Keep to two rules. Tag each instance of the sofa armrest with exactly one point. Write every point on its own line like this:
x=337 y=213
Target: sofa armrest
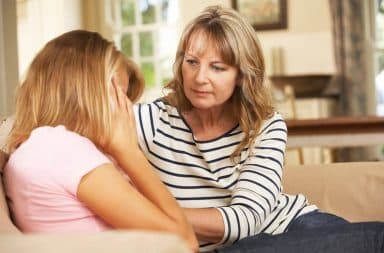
x=111 y=241
x=6 y=225
x=352 y=190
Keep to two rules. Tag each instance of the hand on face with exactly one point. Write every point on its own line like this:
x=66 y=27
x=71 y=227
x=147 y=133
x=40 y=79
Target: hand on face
x=123 y=139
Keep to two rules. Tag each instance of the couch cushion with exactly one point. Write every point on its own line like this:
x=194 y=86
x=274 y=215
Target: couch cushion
x=352 y=190
x=113 y=241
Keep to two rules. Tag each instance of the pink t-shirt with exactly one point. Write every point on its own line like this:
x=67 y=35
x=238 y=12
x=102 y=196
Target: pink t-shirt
x=41 y=180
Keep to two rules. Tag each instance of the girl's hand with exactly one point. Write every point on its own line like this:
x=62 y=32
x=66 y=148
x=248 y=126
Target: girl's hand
x=123 y=140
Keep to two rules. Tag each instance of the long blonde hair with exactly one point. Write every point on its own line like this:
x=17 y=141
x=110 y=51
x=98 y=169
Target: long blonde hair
x=236 y=41
x=68 y=83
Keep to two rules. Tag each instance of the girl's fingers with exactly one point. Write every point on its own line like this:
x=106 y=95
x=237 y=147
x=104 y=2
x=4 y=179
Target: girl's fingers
x=123 y=100
x=123 y=104
x=120 y=100
x=114 y=97
x=129 y=106
x=120 y=97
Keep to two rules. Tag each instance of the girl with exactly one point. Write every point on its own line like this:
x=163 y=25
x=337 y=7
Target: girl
x=74 y=129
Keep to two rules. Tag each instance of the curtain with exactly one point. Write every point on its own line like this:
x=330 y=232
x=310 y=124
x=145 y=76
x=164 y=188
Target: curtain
x=350 y=55
x=351 y=82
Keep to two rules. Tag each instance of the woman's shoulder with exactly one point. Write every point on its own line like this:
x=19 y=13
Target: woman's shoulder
x=274 y=117
x=158 y=106
x=275 y=120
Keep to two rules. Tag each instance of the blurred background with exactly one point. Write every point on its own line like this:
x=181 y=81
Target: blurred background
x=324 y=58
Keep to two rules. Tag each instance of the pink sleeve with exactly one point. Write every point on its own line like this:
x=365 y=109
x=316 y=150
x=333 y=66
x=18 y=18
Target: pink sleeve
x=79 y=157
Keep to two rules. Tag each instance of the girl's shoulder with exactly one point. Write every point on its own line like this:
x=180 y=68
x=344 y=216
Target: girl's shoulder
x=56 y=140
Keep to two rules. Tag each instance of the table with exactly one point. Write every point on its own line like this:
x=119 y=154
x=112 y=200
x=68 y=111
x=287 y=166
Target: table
x=335 y=132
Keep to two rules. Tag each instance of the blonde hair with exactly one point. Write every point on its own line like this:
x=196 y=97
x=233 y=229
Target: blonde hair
x=68 y=83
x=235 y=39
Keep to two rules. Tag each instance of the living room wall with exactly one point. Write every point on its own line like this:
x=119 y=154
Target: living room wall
x=8 y=56
x=306 y=44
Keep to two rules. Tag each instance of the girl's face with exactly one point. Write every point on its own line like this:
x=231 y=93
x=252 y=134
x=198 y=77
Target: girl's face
x=208 y=81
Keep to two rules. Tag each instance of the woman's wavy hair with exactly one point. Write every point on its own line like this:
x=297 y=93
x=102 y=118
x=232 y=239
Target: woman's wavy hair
x=69 y=83
x=235 y=39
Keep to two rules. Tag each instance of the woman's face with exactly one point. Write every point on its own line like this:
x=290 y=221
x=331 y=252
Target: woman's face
x=208 y=81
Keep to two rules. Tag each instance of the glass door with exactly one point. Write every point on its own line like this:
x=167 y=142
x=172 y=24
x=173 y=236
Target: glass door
x=379 y=56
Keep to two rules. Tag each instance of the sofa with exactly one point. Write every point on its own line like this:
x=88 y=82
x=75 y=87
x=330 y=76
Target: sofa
x=352 y=190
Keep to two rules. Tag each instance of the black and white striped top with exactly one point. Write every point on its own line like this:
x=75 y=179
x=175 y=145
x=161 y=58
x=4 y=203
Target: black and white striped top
x=200 y=174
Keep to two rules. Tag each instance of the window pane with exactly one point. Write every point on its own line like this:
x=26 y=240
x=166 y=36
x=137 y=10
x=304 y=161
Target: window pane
x=169 y=11
x=379 y=58
x=164 y=10
x=379 y=81
x=128 y=12
x=165 y=80
x=146 y=43
x=380 y=24
x=166 y=69
x=126 y=44
x=148 y=69
x=148 y=13
x=381 y=61
x=167 y=42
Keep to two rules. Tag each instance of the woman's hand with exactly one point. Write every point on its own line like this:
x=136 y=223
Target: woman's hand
x=123 y=139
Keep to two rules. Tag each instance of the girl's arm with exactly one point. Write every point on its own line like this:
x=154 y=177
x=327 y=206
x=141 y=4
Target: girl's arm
x=108 y=194
x=146 y=205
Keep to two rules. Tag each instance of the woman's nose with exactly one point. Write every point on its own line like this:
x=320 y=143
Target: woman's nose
x=201 y=75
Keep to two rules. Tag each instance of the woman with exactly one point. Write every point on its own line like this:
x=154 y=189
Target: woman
x=73 y=137
x=217 y=143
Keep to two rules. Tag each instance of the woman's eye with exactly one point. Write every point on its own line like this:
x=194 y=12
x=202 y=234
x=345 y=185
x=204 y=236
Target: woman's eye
x=218 y=68
x=191 y=61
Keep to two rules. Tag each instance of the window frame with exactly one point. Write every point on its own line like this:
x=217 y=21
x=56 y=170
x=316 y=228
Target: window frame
x=118 y=30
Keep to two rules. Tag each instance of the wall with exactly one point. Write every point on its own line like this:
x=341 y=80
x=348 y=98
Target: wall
x=41 y=20
x=94 y=17
x=8 y=56
x=305 y=46
x=25 y=26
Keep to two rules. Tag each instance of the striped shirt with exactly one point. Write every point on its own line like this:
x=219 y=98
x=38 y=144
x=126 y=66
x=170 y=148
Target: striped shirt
x=200 y=174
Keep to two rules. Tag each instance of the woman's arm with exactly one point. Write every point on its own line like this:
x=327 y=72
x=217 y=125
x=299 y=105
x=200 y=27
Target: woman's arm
x=253 y=197
x=207 y=223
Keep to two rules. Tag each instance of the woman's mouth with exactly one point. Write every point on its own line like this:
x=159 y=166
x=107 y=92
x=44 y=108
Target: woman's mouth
x=201 y=93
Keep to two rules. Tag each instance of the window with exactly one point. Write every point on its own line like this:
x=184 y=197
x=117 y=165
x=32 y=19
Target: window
x=379 y=56
x=146 y=31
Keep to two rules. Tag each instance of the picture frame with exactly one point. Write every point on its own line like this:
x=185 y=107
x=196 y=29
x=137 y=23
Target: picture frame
x=263 y=14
